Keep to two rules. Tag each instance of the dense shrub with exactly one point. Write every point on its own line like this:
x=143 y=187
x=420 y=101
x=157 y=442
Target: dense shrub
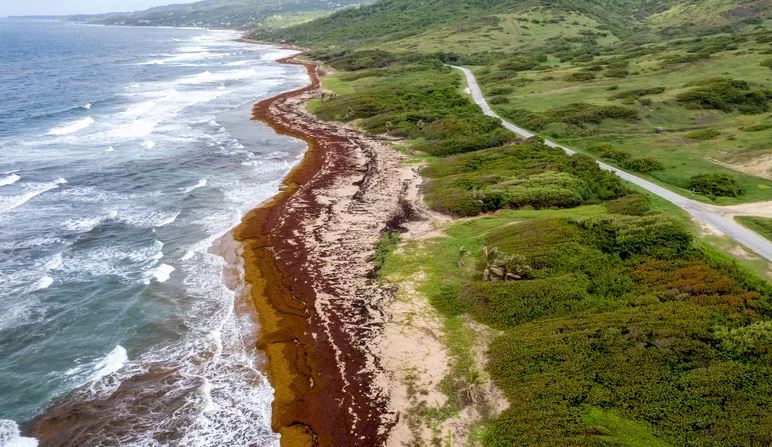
x=658 y=367
x=417 y=101
x=715 y=185
x=642 y=165
x=578 y=115
x=609 y=152
x=632 y=235
x=516 y=176
x=632 y=95
x=757 y=127
x=631 y=205
x=703 y=134
x=726 y=94
x=580 y=76
x=507 y=303
x=766 y=63
x=522 y=63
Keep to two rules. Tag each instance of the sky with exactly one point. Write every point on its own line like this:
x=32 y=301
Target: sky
x=64 y=7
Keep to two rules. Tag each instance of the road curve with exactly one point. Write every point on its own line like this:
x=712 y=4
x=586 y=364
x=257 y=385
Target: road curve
x=701 y=212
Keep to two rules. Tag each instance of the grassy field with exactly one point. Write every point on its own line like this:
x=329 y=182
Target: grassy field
x=686 y=141
x=504 y=32
x=761 y=225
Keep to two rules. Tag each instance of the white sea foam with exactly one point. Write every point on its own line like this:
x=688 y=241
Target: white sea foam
x=183 y=57
x=111 y=363
x=11 y=437
x=278 y=54
x=200 y=184
x=148 y=144
x=110 y=149
x=9 y=203
x=86 y=106
x=43 y=283
x=82 y=225
x=146 y=218
x=139 y=109
x=209 y=77
x=162 y=273
x=9 y=180
x=72 y=126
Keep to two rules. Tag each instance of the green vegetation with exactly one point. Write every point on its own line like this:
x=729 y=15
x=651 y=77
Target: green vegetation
x=605 y=295
x=726 y=94
x=386 y=244
x=514 y=177
x=642 y=165
x=266 y=15
x=703 y=134
x=416 y=100
x=715 y=185
x=761 y=225
x=616 y=325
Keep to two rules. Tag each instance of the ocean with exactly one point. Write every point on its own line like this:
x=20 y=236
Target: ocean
x=126 y=154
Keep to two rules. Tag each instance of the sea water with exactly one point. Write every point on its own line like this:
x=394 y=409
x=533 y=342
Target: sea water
x=125 y=153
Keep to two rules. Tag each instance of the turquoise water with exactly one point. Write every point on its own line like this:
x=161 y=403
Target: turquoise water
x=125 y=153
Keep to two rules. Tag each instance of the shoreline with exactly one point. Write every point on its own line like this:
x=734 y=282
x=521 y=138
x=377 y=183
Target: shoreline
x=306 y=258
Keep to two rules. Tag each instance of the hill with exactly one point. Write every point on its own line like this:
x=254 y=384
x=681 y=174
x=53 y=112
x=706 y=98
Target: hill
x=391 y=20
x=605 y=316
x=229 y=14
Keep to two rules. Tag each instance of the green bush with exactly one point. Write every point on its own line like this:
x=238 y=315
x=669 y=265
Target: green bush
x=507 y=303
x=656 y=366
x=632 y=95
x=631 y=205
x=521 y=63
x=715 y=185
x=616 y=73
x=726 y=94
x=633 y=235
x=703 y=134
x=580 y=76
x=642 y=165
x=757 y=127
x=514 y=177
x=609 y=152
x=386 y=244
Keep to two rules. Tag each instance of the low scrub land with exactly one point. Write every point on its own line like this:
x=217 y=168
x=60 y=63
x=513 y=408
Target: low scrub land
x=583 y=279
x=695 y=106
x=616 y=330
x=612 y=322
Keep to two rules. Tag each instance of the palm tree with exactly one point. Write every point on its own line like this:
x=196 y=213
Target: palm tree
x=504 y=268
x=492 y=269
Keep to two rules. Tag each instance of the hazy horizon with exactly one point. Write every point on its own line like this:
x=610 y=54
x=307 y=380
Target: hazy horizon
x=54 y=7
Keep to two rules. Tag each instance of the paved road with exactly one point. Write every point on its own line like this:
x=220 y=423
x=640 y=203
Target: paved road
x=701 y=212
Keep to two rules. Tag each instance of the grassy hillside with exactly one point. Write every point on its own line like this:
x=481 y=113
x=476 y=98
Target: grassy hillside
x=232 y=14
x=617 y=325
x=696 y=106
x=390 y=20
x=677 y=91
